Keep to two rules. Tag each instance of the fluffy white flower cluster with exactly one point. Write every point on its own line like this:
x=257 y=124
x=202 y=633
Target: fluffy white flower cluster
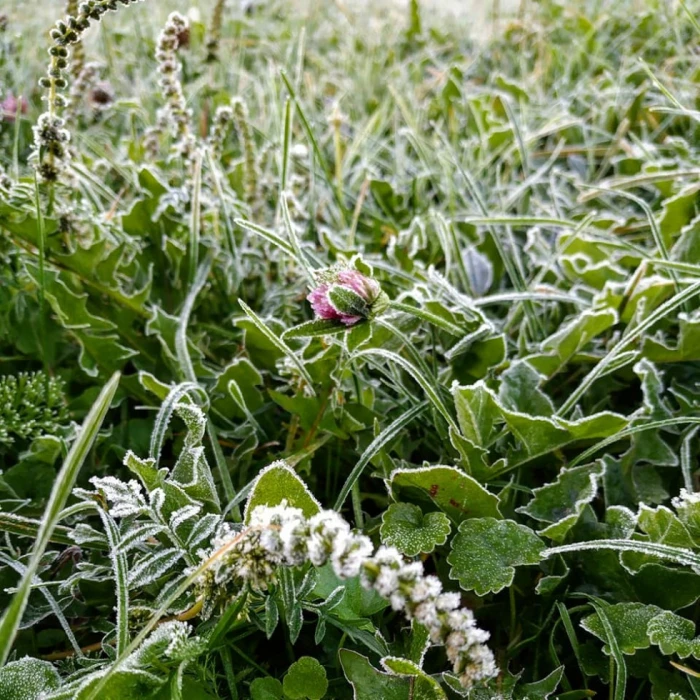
x=282 y=536
x=685 y=498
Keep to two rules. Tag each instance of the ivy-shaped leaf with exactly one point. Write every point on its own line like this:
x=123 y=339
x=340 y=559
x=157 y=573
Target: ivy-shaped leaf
x=405 y=527
x=486 y=551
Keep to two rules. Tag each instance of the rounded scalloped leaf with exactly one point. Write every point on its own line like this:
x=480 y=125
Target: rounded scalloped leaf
x=266 y=689
x=486 y=551
x=628 y=623
x=405 y=527
x=279 y=482
x=306 y=678
x=28 y=679
x=674 y=634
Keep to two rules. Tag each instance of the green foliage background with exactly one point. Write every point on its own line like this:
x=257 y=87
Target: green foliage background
x=530 y=204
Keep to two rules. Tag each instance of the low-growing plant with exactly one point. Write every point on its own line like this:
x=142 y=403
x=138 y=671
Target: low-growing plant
x=338 y=362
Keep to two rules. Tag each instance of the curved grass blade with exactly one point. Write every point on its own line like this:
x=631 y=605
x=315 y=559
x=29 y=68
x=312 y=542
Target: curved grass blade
x=381 y=441
x=430 y=389
x=633 y=430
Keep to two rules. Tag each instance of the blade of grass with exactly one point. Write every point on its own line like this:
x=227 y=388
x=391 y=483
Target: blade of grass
x=431 y=390
x=294 y=240
x=379 y=443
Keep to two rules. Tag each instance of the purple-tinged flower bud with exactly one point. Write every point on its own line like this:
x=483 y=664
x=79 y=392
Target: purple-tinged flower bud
x=346 y=296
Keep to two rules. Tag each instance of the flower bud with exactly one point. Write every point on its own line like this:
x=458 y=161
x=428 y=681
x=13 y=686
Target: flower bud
x=347 y=296
x=11 y=106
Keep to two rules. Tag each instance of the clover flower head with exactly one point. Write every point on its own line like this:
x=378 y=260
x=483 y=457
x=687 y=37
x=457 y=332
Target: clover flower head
x=12 y=106
x=345 y=295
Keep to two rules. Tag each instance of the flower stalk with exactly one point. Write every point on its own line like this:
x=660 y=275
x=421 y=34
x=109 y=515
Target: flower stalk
x=281 y=536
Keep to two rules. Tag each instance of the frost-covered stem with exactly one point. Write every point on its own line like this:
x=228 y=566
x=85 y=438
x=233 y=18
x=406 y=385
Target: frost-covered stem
x=281 y=536
x=663 y=551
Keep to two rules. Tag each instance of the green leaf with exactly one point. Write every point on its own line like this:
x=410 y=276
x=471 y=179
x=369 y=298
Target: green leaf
x=481 y=416
x=279 y=482
x=542 y=689
x=424 y=687
x=357 y=602
x=674 y=635
x=306 y=678
x=628 y=622
x=347 y=302
x=314 y=328
x=520 y=390
x=370 y=684
x=561 y=503
x=574 y=336
x=27 y=679
x=485 y=552
x=266 y=689
x=457 y=494
x=405 y=527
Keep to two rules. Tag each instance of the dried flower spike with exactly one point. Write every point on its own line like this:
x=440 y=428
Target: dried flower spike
x=347 y=296
x=169 y=68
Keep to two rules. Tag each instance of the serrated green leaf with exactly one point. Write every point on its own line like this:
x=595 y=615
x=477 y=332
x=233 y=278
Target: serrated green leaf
x=405 y=527
x=673 y=634
x=628 y=622
x=486 y=551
